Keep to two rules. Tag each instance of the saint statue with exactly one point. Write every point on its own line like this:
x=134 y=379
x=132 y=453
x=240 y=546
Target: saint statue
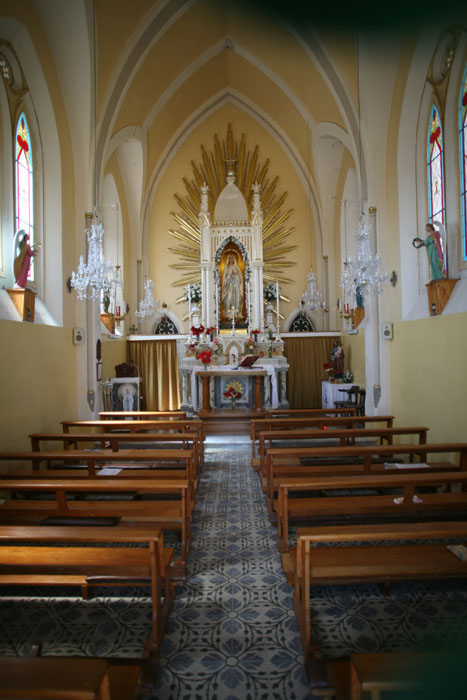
x=337 y=359
x=232 y=288
x=434 y=248
x=22 y=262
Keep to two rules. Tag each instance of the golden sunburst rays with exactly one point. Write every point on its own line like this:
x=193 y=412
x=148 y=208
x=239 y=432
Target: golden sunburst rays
x=231 y=154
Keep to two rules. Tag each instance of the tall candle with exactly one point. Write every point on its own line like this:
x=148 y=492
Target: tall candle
x=277 y=308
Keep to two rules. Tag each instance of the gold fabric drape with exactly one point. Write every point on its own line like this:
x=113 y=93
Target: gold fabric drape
x=158 y=365
x=306 y=357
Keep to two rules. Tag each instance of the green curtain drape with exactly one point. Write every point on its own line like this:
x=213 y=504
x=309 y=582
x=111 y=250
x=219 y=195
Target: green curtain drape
x=158 y=365
x=306 y=357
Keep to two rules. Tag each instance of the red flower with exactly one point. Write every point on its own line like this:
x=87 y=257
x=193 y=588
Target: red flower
x=205 y=356
x=231 y=393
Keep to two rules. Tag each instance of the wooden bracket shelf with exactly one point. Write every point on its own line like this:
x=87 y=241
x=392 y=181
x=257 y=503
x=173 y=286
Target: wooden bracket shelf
x=439 y=292
x=24 y=301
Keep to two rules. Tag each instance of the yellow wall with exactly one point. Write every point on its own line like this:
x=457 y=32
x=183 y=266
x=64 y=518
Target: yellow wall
x=161 y=220
x=354 y=355
x=113 y=353
x=38 y=381
x=428 y=376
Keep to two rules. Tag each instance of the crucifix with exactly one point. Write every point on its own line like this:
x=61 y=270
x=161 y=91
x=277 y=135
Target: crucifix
x=233 y=311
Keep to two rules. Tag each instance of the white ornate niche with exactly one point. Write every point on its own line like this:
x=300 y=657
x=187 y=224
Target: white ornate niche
x=232 y=226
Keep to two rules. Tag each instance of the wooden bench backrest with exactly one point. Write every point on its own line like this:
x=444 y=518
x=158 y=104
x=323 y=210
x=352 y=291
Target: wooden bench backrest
x=122 y=533
x=95 y=458
x=297 y=412
x=344 y=435
x=135 y=425
x=110 y=415
x=258 y=425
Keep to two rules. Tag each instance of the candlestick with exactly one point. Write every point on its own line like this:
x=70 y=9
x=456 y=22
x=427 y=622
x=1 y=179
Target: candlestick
x=189 y=304
x=277 y=308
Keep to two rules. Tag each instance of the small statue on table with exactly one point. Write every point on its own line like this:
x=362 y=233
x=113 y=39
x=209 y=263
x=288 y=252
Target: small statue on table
x=337 y=359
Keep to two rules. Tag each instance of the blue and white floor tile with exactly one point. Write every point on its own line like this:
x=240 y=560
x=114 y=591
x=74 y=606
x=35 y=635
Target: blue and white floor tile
x=233 y=633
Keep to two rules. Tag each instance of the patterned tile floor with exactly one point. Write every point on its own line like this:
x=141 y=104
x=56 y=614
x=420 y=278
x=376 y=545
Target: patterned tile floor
x=232 y=633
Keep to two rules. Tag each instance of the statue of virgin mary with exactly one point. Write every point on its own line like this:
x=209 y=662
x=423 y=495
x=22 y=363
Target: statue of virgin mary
x=232 y=288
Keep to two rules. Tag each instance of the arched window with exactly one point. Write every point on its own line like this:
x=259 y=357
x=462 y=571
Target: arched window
x=463 y=160
x=436 y=207
x=24 y=201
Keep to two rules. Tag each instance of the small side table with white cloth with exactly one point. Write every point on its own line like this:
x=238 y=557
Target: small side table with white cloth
x=330 y=393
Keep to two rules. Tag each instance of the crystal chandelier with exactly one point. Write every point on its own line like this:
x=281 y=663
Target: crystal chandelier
x=312 y=299
x=363 y=276
x=93 y=278
x=147 y=306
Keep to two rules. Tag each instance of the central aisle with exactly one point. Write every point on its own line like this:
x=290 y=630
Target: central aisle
x=232 y=633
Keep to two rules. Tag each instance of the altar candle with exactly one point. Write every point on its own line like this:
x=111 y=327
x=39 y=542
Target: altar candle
x=189 y=303
x=277 y=307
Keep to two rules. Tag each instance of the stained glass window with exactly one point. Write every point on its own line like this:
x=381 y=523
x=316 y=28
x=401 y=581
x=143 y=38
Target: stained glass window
x=463 y=160
x=24 y=184
x=435 y=169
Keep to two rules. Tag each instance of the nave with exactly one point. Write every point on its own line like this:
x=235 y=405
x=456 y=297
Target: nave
x=232 y=632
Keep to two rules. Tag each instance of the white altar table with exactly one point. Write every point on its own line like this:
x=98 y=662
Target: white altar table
x=330 y=393
x=271 y=391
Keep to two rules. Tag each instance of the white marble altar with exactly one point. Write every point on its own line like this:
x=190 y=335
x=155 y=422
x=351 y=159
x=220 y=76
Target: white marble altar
x=274 y=386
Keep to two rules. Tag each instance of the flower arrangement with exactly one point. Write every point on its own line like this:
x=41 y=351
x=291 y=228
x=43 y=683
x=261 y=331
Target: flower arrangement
x=193 y=293
x=233 y=393
x=204 y=356
x=210 y=331
x=197 y=331
x=329 y=369
x=270 y=292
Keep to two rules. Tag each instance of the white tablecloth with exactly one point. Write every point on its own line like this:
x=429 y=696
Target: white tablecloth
x=330 y=393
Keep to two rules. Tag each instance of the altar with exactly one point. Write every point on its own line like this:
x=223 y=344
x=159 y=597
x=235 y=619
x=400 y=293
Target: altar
x=262 y=387
x=231 y=311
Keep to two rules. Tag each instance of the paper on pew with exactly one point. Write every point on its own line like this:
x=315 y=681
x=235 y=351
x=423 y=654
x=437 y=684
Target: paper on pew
x=404 y=465
x=109 y=471
x=459 y=550
x=415 y=499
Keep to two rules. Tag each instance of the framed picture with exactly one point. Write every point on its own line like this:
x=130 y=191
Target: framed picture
x=99 y=371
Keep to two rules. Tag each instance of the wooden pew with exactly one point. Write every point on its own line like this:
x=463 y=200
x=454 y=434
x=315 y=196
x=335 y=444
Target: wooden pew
x=116 y=441
x=140 y=426
x=412 y=503
x=348 y=436
x=173 y=514
x=95 y=460
x=365 y=459
x=382 y=563
x=310 y=412
x=414 y=674
x=152 y=415
x=22 y=562
x=320 y=421
x=76 y=678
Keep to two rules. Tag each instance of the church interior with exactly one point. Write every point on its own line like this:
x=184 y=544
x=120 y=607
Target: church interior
x=232 y=216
